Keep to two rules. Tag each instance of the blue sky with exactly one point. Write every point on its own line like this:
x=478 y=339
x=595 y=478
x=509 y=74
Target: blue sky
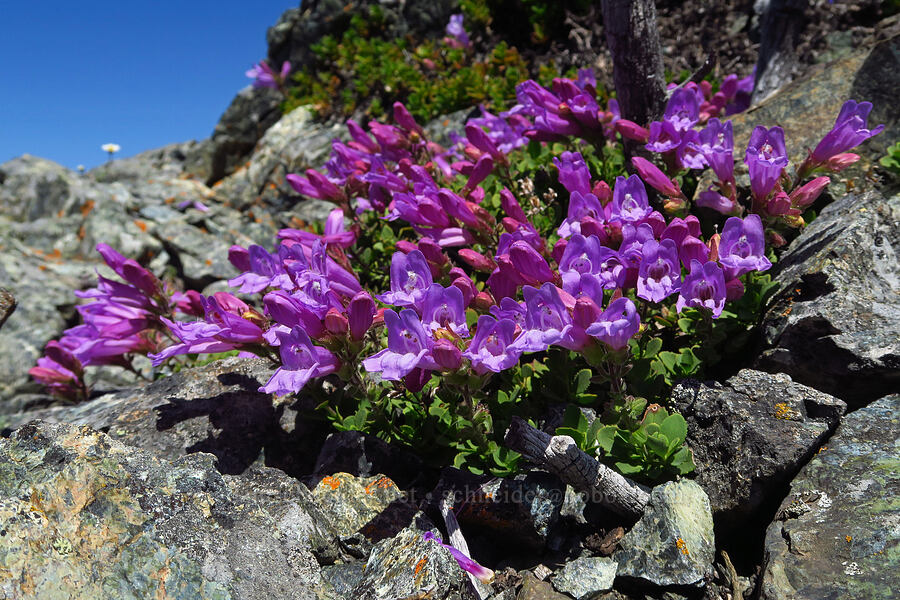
x=76 y=75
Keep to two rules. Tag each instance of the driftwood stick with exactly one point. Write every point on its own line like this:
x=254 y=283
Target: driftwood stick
x=457 y=540
x=780 y=26
x=561 y=456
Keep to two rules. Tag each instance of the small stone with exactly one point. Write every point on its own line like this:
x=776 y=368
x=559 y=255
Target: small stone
x=535 y=589
x=583 y=578
x=673 y=543
x=542 y=572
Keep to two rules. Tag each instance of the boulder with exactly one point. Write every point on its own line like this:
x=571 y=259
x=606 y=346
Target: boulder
x=584 y=578
x=7 y=305
x=673 y=543
x=836 y=534
x=33 y=187
x=188 y=160
x=365 y=455
x=751 y=435
x=85 y=516
x=835 y=323
x=216 y=409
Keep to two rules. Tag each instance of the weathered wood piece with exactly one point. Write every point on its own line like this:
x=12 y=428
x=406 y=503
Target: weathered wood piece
x=561 y=456
x=780 y=25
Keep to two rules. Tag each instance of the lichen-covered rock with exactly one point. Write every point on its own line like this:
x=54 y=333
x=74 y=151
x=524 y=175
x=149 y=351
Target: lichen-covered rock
x=513 y=513
x=216 y=408
x=189 y=160
x=836 y=535
x=292 y=145
x=751 y=435
x=7 y=305
x=584 y=578
x=673 y=543
x=835 y=324
x=32 y=187
x=366 y=510
x=408 y=566
x=87 y=517
x=535 y=589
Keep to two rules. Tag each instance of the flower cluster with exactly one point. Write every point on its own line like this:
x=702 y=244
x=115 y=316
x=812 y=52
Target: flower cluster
x=264 y=76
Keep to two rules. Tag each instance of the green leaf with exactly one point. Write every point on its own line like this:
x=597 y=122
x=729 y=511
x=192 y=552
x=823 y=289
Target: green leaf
x=669 y=359
x=653 y=347
x=582 y=381
x=606 y=436
x=575 y=419
x=578 y=436
x=655 y=417
x=674 y=427
x=657 y=445
x=628 y=469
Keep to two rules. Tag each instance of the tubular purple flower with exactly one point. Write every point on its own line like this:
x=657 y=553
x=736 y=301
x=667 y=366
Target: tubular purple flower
x=580 y=207
x=682 y=109
x=573 y=172
x=687 y=154
x=766 y=158
x=659 y=275
x=443 y=308
x=265 y=271
x=716 y=201
x=491 y=346
x=742 y=246
x=361 y=313
x=130 y=271
x=446 y=355
x=456 y=30
x=483 y=167
x=849 y=131
x=290 y=312
x=804 y=196
x=663 y=137
x=586 y=256
x=546 y=320
x=481 y=140
x=301 y=360
x=692 y=248
x=403 y=118
x=617 y=324
x=630 y=202
x=703 y=288
x=483 y=574
x=511 y=206
x=409 y=347
x=632 y=131
x=716 y=142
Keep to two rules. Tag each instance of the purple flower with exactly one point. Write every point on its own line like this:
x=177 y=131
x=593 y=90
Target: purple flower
x=704 y=287
x=716 y=142
x=130 y=271
x=656 y=178
x=301 y=360
x=766 y=158
x=510 y=309
x=660 y=272
x=483 y=574
x=617 y=324
x=682 y=109
x=443 y=309
x=409 y=347
x=361 y=312
x=546 y=320
x=687 y=154
x=742 y=246
x=290 y=311
x=573 y=172
x=410 y=278
x=491 y=348
x=531 y=266
x=456 y=30
x=335 y=233
x=663 y=137
x=716 y=201
x=630 y=202
x=586 y=256
x=264 y=76
x=265 y=271
x=581 y=206
x=849 y=131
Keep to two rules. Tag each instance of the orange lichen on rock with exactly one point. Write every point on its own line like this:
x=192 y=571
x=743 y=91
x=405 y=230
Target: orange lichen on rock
x=332 y=482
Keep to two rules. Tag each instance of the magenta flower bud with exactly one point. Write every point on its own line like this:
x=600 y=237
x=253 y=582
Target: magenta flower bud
x=56 y=352
x=809 y=193
x=734 y=289
x=362 y=312
x=691 y=248
x=602 y=192
x=716 y=201
x=559 y=248
x=190 y=303
x=531 y=265
x=335 y=322
x=467 y=287
x=483 y=167
x=632 y=131
x=432 y=251
x=511 y=206
x=141 y=278
x=586 y=312
x=482 y=141
x=447 y=355
x=239 y=257
x=483 y=301
x=839 y=162
x=388 y=136
x=654 y=177
x=405 y=246
x=477 y=261
x=403 y=118
x=779 y=204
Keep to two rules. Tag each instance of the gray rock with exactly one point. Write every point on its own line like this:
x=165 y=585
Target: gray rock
x=188 y=160
x=673 y=543
x=87 y=517
x=250 y=114
x=365 y=455
x=585 y=578
x=32 y=187
x=215 y=409
x=407 y=566
x=835 y=324
x=292 y=145
x=366 y=510
x=512 y=513
x=7 y=305
x=751 y=435
x=535 y=589
x=836 y=534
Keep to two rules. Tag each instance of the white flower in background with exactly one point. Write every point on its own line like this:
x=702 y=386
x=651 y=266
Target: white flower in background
x=111 y=149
